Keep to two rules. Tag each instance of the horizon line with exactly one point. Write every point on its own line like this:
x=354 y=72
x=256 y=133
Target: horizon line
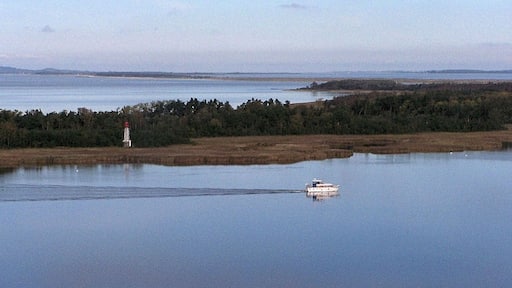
x=51 y=70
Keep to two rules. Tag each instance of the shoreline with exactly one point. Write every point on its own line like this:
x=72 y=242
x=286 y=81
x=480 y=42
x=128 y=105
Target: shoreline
x=252 y=150
x=277 y=76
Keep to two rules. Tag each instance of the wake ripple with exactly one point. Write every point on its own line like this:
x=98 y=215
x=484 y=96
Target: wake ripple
x=12 y=193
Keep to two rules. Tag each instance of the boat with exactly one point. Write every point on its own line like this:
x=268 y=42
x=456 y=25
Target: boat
x=320 y=189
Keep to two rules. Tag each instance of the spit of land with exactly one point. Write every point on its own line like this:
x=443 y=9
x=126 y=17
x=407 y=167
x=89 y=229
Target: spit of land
x=260 y=149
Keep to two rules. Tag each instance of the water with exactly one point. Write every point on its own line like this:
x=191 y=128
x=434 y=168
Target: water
x=56 y=93
x=51 y=93
x=414 y=220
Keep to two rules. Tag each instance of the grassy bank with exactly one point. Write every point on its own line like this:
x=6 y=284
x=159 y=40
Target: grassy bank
x=260 y=149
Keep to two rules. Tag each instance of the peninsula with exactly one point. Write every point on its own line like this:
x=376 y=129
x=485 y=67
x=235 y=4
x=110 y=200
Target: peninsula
x=370 y=116
x=260 y=149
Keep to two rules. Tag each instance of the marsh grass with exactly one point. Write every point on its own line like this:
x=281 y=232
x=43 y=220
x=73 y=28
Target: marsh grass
x=260 y=149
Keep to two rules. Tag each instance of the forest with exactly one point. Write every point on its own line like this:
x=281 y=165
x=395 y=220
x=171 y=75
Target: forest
x=395 y=85
x=380 y=107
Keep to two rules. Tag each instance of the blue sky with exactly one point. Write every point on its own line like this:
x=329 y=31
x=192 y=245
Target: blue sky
x=256 y=36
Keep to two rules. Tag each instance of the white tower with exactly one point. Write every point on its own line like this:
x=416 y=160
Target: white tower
x=126 y=139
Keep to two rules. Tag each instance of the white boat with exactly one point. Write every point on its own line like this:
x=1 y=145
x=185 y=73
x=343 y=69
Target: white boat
x=318 y=188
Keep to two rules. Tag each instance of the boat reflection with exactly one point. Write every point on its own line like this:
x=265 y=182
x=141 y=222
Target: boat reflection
x=320 y=196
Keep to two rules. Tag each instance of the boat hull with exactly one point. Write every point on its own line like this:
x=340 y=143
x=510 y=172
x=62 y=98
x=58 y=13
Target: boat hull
x=321 y=192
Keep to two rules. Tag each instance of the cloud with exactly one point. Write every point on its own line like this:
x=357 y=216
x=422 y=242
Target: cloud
x=294 y=6
x=47 y=29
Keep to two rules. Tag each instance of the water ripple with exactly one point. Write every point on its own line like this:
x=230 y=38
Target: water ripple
x=15 y=192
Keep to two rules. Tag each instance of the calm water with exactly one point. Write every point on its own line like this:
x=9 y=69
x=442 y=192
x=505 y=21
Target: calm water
x=419 y=220
x=53 y=93
x=58 y=93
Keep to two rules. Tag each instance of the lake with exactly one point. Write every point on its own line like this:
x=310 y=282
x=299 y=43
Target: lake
x=56 y=93
x=412 y=220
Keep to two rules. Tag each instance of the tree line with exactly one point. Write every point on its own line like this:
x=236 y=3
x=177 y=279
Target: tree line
x=396 y=85
x=162 y=123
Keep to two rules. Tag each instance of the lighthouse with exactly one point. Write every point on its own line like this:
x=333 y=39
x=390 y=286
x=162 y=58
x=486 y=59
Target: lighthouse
x=126 y=139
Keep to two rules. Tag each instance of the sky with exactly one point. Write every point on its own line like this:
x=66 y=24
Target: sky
x=256 y=36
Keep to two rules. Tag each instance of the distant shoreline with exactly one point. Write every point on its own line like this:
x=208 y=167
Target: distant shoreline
x=266 y=77
x=261 y=150
x=261 y=76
